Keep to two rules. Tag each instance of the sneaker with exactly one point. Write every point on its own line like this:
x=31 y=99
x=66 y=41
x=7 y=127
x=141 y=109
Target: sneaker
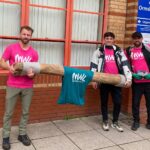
x=135 y=126
x=148 y=125
x=117 y=126
x=105 y=126
x=6 y=143
x=24 y=139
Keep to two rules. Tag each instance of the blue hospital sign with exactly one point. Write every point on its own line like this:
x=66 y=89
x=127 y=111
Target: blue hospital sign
x=143 y=18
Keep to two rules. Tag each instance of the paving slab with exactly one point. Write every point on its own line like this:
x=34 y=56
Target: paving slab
x=13 y=134
x=72 y=125
x=54 y=143
x=93 y=121
x=90 y=140
x=111 y=148
x=143 y=132
x=140 y=145
x=120 y=137
x=41 y=130
x=20 y=146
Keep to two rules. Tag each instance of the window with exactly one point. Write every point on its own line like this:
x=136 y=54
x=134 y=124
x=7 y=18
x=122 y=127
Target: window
x=66 y=32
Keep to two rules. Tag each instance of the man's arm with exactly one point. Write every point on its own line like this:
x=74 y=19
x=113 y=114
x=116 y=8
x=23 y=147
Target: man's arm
x=3 y=64
x=94 y=61
x=126 y=69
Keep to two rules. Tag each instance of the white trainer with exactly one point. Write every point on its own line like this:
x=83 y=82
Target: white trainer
x=117 y=126
x=105 y=126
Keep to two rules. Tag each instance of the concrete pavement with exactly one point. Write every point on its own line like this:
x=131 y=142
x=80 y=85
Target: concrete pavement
x=82 y=134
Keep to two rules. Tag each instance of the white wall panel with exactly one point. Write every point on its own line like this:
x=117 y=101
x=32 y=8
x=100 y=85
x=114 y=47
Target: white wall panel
x=86 y=27
x=4 y=43
x=49 y=52
x=47 y=23
x=54 y=3
x=9 y=19
x=88 y=5
x=81 y=54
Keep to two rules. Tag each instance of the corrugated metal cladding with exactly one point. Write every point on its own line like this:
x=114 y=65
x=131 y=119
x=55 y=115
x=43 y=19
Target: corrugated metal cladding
x=49 y=52
x=9 y=22
x=85 y=27
x=49 y=23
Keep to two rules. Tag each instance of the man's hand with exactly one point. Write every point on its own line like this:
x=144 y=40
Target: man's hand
x=127 y=84
x=30 y=73
x=11 y=69
x=94 y=85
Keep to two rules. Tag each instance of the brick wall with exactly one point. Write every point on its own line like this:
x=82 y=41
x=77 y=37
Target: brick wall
x=44 y=105
x=130 y=20
x=117 y=19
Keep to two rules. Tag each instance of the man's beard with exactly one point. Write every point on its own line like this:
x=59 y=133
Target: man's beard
x=137 y=44
x=25 y=41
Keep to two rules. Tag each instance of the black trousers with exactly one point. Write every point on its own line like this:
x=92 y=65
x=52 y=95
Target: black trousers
x=139 y=89
x=105 y=89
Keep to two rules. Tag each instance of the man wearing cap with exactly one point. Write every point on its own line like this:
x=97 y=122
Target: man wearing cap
x=139 y=58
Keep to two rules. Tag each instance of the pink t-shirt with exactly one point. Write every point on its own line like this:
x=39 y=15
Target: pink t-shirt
x=14 y=53
x=138 y=63
x=110 y=65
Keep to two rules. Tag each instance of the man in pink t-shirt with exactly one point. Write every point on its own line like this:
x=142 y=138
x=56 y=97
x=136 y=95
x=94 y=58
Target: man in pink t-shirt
x=109 y=58
x=18 y=85
x=139 y=57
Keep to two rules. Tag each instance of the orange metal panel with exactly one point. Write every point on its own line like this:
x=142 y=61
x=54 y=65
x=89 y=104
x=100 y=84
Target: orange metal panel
x=10 y=2
x=27 y=12
x=105 y=18
x=23 y=3
x=9 y=37
x=70 y=32
x=48 y=7
x=86 y=41
x=67 y=34
x=33 y=39
x=89 y=12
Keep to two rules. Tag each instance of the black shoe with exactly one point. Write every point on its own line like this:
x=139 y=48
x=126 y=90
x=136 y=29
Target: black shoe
x=148 y=125
x=135 y=126
x=6 y=143
x=24 y=139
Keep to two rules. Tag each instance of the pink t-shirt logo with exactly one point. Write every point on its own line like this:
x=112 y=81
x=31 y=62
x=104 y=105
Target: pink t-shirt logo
x=109 y=58
x=110 y=63
x=136 y=55
x=19 y=58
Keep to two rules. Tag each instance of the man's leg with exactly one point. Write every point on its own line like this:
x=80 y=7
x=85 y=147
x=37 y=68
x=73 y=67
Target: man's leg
x=116 y=97
x=104 y=93
x=147 y=98
x=26 y=96
x=11 y=99
x=137 y=91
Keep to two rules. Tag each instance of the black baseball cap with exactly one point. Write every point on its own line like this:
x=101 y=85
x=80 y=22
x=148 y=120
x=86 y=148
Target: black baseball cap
x=136 y=35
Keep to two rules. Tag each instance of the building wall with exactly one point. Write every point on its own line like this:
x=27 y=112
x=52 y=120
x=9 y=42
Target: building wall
x=44 y=107
x=117 y=19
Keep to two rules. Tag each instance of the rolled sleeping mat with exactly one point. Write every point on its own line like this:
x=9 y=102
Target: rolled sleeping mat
x=22 y=68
